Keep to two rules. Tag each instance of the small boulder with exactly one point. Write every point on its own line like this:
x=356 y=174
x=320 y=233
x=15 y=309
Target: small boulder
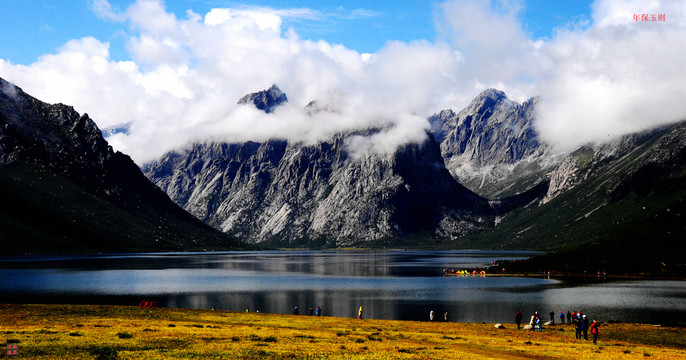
x=499 y=326
x=547 y=323
x=527 y=327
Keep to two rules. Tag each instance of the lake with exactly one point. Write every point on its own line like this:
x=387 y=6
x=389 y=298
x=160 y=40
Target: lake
x=402 y=285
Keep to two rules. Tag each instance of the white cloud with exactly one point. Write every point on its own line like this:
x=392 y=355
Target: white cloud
x=616 y=77
x=186 y=74
x=103 y=10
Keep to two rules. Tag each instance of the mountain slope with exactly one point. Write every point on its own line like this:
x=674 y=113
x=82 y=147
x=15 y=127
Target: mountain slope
x=64 y=190
x=491 y=146
x=316 y=195
x=614 y=207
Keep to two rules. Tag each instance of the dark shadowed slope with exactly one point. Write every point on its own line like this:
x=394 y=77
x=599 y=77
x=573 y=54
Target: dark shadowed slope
x=64 y=190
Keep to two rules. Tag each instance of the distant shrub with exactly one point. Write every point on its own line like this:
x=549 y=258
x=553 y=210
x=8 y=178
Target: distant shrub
x=104 y=353
x=371 y=337
x=124 y=335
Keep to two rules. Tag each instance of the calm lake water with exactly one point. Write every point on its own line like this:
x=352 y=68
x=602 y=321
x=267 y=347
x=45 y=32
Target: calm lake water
x=404 y=285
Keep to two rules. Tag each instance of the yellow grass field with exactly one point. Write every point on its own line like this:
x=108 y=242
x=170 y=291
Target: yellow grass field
x=121 y=332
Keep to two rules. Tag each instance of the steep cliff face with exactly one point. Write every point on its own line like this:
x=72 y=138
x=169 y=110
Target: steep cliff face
x=491 y=146
x=295 y=194
x=65 y=190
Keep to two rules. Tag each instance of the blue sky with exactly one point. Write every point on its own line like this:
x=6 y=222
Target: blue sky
x=174 y=75
x=29 y=29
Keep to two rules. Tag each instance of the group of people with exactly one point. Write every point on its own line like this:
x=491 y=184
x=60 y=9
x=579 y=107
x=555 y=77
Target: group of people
x=580 y=321
x=311 y=311
x=432 y=315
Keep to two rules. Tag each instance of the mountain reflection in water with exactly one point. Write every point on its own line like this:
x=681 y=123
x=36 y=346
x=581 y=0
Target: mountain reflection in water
x=404 y=285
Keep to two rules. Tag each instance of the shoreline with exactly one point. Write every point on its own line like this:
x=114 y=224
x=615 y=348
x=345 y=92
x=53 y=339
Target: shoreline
x=575 y=276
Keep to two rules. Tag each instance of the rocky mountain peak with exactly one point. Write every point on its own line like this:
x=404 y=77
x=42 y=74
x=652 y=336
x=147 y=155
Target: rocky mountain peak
x=53 y=135
x=493 y=94
x=265 y=100
x=488 y=141
x=488 y=102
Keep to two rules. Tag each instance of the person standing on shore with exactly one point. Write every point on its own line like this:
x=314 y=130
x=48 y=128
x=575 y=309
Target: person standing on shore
x=431 y=315
x=552 y=317
x=359 y=313
x=577 y=324
x=539 y=324
x=562 y=317
x=594 y=331
x=584 y=326
x=569 y=317
x=518 y=319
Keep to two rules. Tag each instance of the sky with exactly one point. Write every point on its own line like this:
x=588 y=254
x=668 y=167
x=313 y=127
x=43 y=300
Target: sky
x=174 y=70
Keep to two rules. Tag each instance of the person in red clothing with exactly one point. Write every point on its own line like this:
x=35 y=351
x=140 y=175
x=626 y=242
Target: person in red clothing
x=594 y=331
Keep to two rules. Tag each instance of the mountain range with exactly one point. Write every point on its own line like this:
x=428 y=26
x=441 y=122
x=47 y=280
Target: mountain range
x=482 y=178
x=64 y=189
x=289 y=194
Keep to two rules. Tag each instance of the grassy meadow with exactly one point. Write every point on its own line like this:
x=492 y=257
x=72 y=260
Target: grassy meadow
x=121 y=332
